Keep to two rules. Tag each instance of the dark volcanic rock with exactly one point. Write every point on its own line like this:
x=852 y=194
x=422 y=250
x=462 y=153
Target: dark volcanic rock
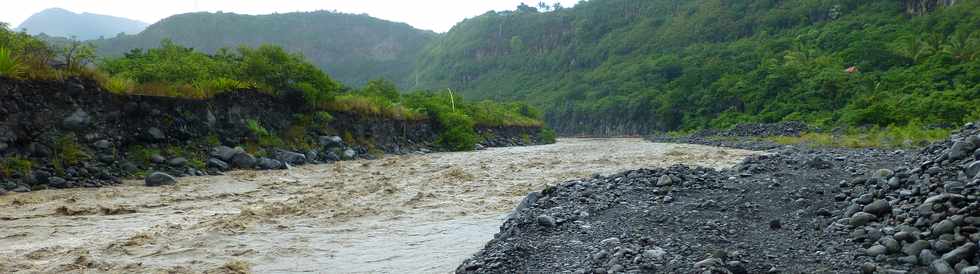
x=290 y=157
x=749 y=221
x=160 y=179
x=78 y=120
x=217 y=164
x=874 y=211
x=243 y=160
x=735 y=137
x=267 y=164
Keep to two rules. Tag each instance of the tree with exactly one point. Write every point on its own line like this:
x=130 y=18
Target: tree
x=915 y=48
x=961 y=47
x=557 y=6
x=516 y=45
x=526 y=9
x=77 y=55
x=382 y=88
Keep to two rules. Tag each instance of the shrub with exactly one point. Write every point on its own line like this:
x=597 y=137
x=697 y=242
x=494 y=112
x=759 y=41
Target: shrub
x=265 y=138
x=16 y=165
x=212 y=87
x=119 y=84
x=457 y=132
x=67 y=152
x=143 y=154
x=256 y=128
x=10 y=65
x=322 y=117
x=548 y=136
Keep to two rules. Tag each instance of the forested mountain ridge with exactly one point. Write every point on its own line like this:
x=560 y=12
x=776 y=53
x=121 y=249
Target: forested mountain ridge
x=630 y=66
x=84 y=26
x=351 y=48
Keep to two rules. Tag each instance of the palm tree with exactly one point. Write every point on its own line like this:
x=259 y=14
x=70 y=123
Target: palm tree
x=961 y=47
x=915 y=48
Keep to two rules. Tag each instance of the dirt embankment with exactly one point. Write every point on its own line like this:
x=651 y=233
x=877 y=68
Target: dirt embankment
x=399 y=214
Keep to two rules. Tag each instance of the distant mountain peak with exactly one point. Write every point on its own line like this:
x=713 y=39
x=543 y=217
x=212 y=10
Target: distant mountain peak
x=65 y=23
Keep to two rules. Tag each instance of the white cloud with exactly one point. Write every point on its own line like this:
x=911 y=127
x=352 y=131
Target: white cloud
x=437 y=15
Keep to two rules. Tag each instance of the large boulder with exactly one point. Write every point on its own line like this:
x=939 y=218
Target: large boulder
x=331 y=141
x=217 y=164
x=102 y=144
x=225 y=153
x=77 y=120
x=268 y=164
x=177 y=162
x=160 y=179
x=290 y=157
x=331 y=156
x=960 y=150
x=972 y=169
x=243 y=161
x=878 y=207
x=312 y=156
x=349 y=154
x=155 y=134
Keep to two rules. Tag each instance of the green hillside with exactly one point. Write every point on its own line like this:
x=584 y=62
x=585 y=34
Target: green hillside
x=634 y=66
x=351 y=48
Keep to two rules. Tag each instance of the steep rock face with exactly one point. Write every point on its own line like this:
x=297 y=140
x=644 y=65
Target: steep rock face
x=919 y=7
x=82 y=136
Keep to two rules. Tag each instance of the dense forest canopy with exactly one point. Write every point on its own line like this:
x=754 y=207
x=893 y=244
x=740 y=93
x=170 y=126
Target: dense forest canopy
x=635 y=66
x=351 y=48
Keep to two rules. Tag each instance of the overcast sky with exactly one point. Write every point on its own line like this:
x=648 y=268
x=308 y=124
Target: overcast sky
x=437 y=15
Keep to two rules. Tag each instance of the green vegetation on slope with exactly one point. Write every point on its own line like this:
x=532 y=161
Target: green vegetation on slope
x=351 y=48
x=629 y=66
x=176 y=71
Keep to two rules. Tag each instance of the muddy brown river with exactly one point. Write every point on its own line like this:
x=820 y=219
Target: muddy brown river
x=400 y=214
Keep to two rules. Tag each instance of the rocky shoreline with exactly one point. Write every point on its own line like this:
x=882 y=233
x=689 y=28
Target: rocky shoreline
x=62 y=134
x=795 y=210
x=742 y=136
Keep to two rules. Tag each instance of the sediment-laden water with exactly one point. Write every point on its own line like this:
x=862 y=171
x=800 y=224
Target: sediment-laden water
x=400 y=214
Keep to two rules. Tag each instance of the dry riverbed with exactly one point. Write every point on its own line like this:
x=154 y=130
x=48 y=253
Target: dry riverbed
x=400 y=214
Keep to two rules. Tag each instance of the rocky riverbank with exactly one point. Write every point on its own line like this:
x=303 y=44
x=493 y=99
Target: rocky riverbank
x=742 y=136
x=62 y=134
x=796 y=210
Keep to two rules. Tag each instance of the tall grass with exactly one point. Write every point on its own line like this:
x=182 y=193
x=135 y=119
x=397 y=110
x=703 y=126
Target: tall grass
x=372 y=106
x=908 y=136
x=10 y=65
x=494 y=114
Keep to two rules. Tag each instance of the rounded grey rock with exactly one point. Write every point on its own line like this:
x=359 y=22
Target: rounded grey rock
x=177 y=162
x=243 y=160
x=944 y=227
x=861 y=218
x=546 y=221
x=160 y=179
x=878 y=207
x=876 y=250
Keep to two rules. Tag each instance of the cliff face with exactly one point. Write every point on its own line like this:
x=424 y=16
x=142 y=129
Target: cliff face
x=79 y=135
x=919 y=7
